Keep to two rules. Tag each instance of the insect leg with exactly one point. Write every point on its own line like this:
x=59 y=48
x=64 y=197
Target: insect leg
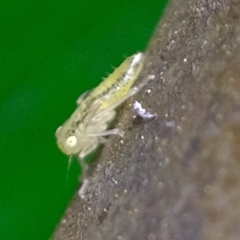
x=88 y=148
x=114 y=131
x=132 y=92
x=104 y=116
x=82 y=190
x=85 y=151
x=137 y=88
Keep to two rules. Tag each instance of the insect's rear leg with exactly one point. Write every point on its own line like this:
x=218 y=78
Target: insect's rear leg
x=132 y=92
x=137 y=88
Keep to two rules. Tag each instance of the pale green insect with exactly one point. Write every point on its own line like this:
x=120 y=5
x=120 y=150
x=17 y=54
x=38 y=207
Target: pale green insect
x=87 y=126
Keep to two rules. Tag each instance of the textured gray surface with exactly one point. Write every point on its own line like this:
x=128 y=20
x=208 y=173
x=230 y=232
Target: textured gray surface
x=176 y=176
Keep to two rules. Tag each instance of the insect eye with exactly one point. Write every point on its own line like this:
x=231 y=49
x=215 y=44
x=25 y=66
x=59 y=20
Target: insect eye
x=71 y=141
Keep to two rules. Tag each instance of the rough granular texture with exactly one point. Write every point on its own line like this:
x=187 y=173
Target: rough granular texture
x=176 y=176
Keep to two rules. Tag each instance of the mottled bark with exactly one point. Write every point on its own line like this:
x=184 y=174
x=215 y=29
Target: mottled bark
x=176 y=176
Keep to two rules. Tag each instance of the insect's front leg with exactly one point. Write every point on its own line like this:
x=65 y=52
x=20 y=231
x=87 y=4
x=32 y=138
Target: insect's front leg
x=89 y=147
x=115 y=131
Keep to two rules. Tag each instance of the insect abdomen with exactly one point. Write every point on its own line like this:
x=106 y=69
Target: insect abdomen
x=118 y=84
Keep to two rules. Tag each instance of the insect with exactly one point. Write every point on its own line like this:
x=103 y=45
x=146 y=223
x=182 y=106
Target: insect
x=87 y=127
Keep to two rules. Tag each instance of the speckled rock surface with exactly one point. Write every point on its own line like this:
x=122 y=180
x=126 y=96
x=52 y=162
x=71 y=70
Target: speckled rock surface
x=176 y=176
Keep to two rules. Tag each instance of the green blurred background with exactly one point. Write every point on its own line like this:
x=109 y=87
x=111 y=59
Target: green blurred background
x=50 y=53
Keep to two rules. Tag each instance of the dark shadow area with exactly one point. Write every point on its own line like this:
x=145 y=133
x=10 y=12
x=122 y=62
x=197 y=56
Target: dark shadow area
x=176 y=176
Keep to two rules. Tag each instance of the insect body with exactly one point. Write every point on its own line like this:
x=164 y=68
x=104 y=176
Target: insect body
x=87 y=126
